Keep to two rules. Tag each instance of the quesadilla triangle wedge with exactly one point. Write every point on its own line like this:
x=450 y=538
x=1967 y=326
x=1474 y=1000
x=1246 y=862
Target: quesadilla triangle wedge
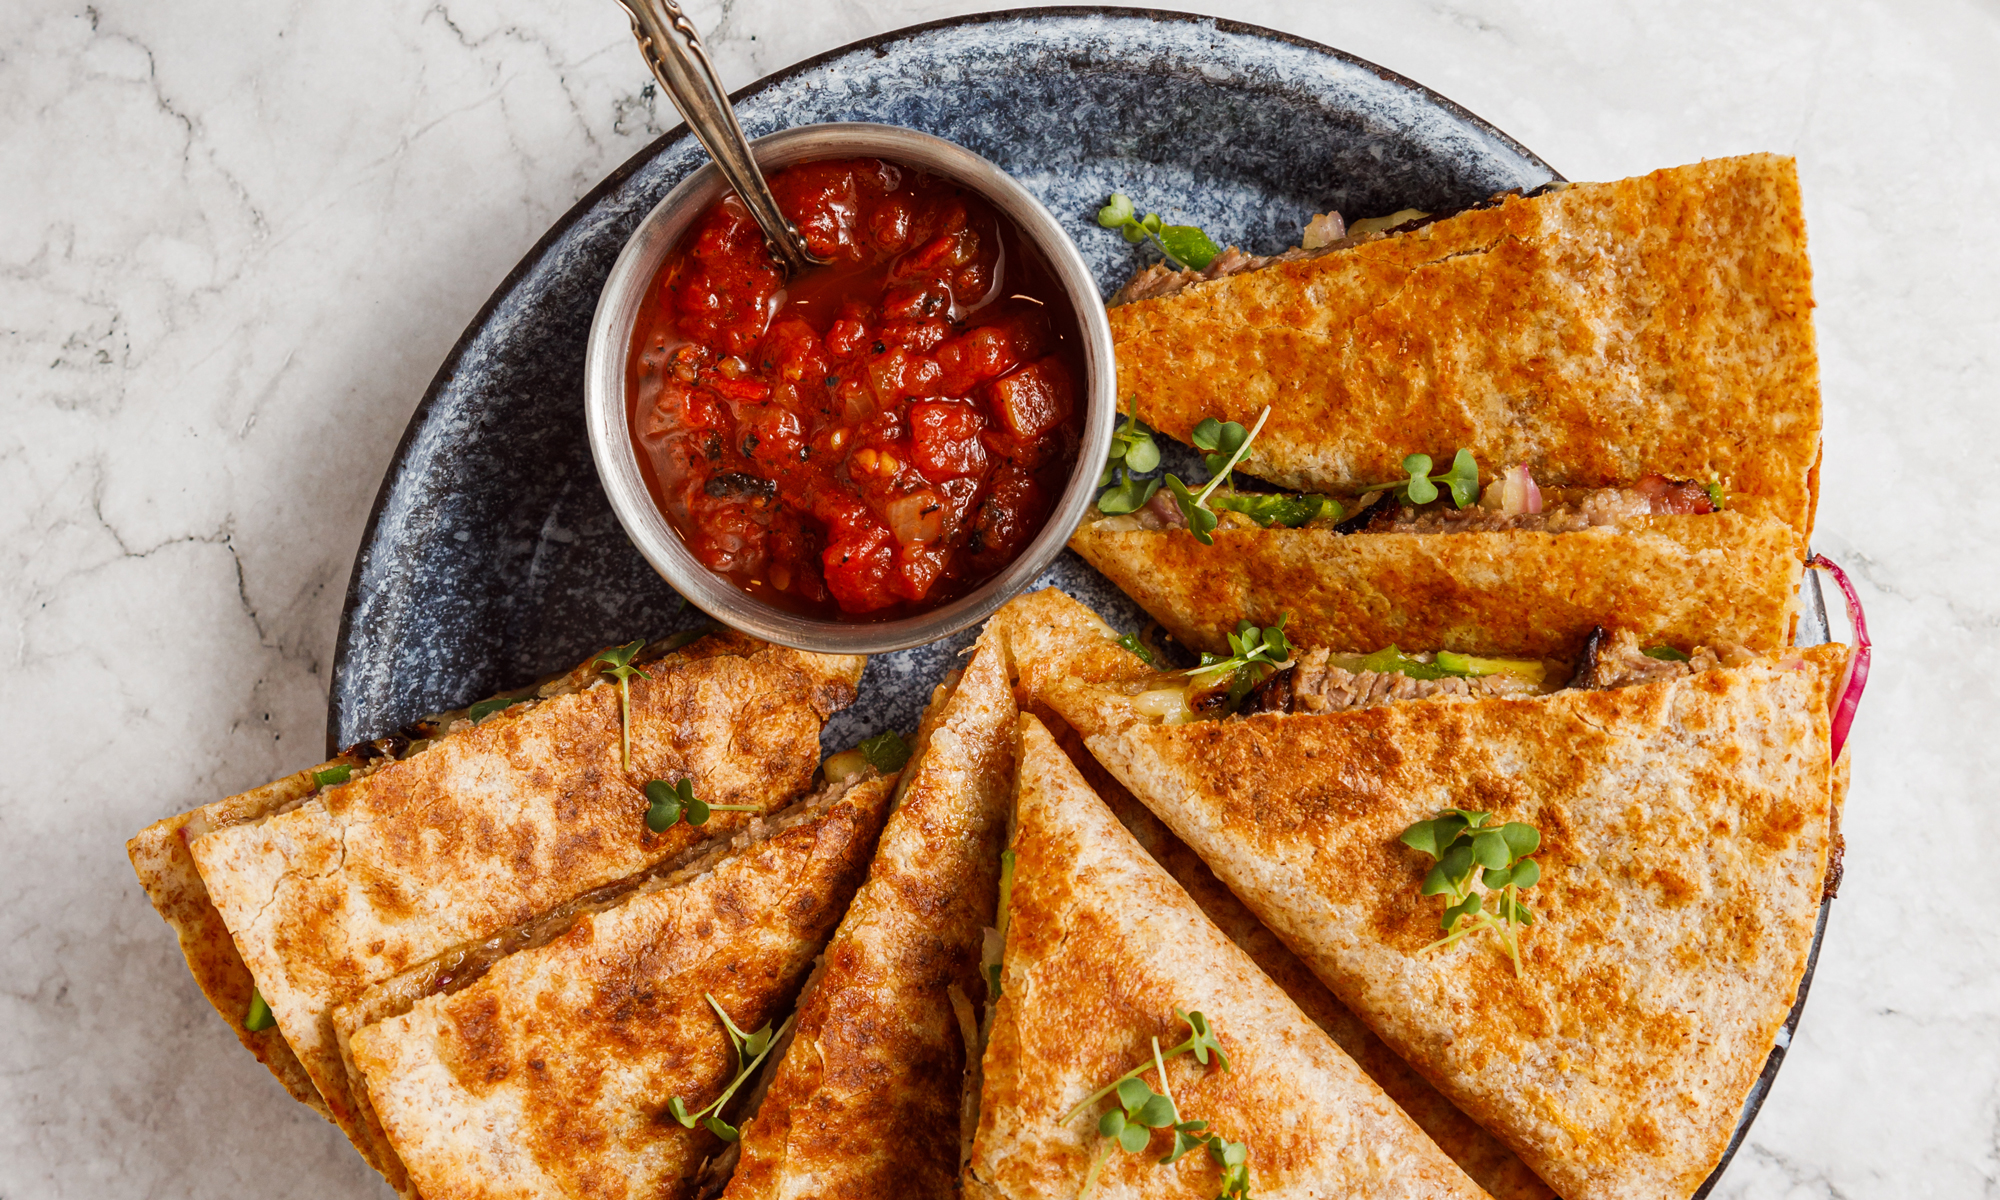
x=1684 y=828
x=554 y=1071
x=496 y=820
x=1103 y=950
x=866 y=1101
x=1598 y=333
x=1485 y=1159
x=1729 y=576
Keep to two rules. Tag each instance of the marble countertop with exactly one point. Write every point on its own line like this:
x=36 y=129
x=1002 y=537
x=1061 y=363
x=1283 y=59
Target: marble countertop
x=239 y=238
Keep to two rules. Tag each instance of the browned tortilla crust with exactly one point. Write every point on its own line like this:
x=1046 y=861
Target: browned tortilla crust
x=1102 y=946
x=866 y=1102
x=1484 y=1158
x=552 y=1075
x=1686 y=580
x=1685 y=831
x=1658 y=324
x=166 y=869
x=494 y=824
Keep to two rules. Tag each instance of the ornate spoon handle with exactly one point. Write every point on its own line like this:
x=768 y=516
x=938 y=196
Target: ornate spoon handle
x=672 y=48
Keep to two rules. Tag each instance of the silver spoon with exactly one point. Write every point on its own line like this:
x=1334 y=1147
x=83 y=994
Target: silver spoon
x=672 y=48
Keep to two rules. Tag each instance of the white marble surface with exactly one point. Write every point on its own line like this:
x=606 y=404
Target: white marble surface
x=237 y=238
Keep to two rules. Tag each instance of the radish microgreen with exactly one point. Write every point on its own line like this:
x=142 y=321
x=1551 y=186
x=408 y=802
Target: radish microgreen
x=619 y=666
x=1226 y=444
x=1131 y=642
x=1133 y=453
x=1141 y=1110
x=1183 y=244
x=671 y=802
x=1461 y=479
x=1254 y=654
x=750 y=1050
x=1469 y=851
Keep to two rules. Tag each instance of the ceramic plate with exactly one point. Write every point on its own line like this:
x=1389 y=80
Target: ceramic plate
x=492 y=556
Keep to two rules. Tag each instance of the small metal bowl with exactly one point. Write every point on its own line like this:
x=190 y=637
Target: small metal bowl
x=618 y=461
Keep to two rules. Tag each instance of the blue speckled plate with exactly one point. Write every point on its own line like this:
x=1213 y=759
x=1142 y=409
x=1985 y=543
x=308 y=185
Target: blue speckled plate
x=492 y=556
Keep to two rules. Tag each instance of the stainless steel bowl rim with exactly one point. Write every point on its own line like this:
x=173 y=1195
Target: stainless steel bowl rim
x=611 y=444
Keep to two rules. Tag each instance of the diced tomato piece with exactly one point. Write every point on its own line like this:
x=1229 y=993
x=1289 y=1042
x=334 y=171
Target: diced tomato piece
x=1006 y=519
x=918 y=566
x=858 y=570
x=974 y=357
x=945 y=438
x=1674 y=497
x=1030 y=401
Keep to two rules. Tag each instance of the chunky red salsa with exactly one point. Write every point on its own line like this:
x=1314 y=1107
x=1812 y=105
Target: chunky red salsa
x=881 y=435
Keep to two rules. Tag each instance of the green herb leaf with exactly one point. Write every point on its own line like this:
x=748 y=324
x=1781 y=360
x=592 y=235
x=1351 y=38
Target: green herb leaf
x=1156 y=1113
x=1462 y=479
x=486 y=708
x=1221 y=438
x=1128 y=495
x=1495 y=878
x=1419 y=489
x=258 y=1017
x=1457 y=862
x=1133 y=1094
x=1112 y=1123
x=1489 y=849
x=332 y=775
x=1134 y=1138
x=1437 y=883
x=1527 y=874
x=680 y=1112
x=1200 y=520
x=618 y=664
x=886 y=751
x=1422 y=837
x=721 y=1128
x=1143 y=453
x=1188 y=244
x=1665 y=654
x=1522 y=838
x=1131 y=642
x=1201 y=1039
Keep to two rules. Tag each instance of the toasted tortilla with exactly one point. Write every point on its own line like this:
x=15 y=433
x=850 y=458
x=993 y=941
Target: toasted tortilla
x=1688 y=580
x=1597 y=334
x=551 y=1074
x=1685 y=831
x=498 y=821
x=1483 y=1157
x=1102 y=946
x=866 y=1101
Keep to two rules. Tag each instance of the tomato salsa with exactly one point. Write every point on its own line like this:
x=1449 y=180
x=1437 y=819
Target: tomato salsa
x=884 y=433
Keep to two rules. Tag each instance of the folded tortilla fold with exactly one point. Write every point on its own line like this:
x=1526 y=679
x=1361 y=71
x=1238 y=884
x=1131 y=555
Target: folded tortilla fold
x=1688 y=580
x=1685 y=830
x=866 y=1101
x=498 y=821
x=551 y=1074
x=1598 y=334
x=1102 y=946
x=1484 y=1158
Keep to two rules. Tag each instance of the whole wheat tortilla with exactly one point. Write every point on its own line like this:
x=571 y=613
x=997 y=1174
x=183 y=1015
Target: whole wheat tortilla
x=1598 y=334
x=866 y=1101
x=497 y=822
x=1685 y=829
x=1102 y=946
x=1687 y=580
x=552 y=1074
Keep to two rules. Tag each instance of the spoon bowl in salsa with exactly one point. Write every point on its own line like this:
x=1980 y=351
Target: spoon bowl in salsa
x=876 y=452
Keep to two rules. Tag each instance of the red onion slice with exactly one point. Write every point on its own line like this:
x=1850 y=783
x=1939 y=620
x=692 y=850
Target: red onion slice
x=1856 y=678
x=1518 y=493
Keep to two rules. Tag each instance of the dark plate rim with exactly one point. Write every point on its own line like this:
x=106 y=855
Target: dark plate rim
x=1754 y=1102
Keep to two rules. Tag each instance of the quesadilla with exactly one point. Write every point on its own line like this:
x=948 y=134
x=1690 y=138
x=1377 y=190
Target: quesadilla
x=498 y=819
x=1684 y=812
x=1680 y=578
x=866 y=1101
x=1108 y=967
x=595 y=1055
x=1484 y=1158
x=1598 y=334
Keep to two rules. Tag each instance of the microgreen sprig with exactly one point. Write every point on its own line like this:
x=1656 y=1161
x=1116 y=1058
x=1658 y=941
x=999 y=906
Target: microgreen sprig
x=1462 y=478
x=1468 y=851
x=619 y=666
x=1131 y=642
x=1141 y=1110
x=1133 y=453
x=1665 y=653
x=1226 y=443
x=1184 y=244
x=486 y=708
x=750 y=1050
x=671 y=802
x=1254 y=654
x=332 y=775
